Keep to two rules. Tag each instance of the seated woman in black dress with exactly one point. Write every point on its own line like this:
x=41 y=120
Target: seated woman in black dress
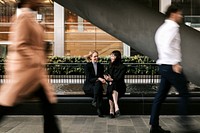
x=93 y=85
x=115 y=79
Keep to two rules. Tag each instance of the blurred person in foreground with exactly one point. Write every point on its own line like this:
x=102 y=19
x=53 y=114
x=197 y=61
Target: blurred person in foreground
x=167 y=39
x=25 y=66
x=93 y=85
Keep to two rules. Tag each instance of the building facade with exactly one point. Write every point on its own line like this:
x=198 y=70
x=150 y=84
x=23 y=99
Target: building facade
x=71 y=35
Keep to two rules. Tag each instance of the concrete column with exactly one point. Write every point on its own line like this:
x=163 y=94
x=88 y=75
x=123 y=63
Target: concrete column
x=59 y=30
x=126 y=50
x=163 y=4
x=80 y=24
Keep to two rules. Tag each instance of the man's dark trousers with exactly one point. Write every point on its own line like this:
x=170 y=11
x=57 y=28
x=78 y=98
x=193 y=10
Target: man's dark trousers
x=169 y=78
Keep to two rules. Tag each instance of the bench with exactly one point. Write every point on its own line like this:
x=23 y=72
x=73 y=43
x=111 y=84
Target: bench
x=129 y=105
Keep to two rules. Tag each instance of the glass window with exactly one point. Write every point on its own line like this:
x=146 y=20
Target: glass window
x=191 y=12
x=45 y=14
x=81 y=37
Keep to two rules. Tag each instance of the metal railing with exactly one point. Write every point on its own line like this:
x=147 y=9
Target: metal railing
x=73 y=73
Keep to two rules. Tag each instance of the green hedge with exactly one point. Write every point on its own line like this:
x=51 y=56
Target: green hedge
x=132 y=59
x=132 y=69
x=57 y=68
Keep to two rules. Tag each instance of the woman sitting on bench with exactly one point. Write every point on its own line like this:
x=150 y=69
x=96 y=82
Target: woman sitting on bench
x=115 y=79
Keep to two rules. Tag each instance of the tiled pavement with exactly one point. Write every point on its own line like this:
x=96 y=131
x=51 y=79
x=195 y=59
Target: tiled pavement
x=91 y=124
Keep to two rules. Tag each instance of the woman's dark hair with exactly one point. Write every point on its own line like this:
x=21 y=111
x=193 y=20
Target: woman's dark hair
x=173 y=8
x=118 y=57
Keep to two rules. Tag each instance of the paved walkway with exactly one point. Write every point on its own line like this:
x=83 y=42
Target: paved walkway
x=91 y=124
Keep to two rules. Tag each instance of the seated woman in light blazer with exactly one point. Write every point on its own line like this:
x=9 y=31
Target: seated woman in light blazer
x=93 y=85
x=116 y=85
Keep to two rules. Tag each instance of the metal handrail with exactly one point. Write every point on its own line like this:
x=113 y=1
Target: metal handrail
x=73 y=73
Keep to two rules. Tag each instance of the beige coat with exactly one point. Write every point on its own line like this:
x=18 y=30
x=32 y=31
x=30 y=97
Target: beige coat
x=25 y=61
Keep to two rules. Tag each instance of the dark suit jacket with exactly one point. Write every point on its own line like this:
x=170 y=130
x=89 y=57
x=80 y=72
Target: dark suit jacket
x=117 y=73
x=91 y=78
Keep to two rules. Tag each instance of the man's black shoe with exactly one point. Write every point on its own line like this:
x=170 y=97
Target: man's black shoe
x=158 y=130
x=99 y=113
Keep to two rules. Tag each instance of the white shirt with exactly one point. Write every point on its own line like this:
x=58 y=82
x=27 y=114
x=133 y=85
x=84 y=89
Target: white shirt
x=95 y=67
x=167 y=39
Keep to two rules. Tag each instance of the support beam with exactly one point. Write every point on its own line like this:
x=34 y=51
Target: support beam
x=80 y=24
x=163 y=4
x=59 y=30
x=126 y=50
x=135 y=25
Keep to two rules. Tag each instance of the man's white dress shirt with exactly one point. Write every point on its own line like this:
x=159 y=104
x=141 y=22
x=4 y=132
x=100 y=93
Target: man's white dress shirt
x=167 y=39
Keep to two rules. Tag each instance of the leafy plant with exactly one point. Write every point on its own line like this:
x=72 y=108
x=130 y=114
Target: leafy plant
x=56 y=65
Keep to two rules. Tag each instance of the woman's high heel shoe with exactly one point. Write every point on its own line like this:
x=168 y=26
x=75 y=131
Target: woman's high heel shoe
x=117 y=113
x=112 y=115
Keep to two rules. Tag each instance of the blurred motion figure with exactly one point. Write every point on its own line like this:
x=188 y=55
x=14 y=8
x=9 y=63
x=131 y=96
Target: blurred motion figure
x=25 y=66
x=168 y=42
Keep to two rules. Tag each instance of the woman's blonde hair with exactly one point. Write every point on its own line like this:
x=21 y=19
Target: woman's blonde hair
x=89 y=55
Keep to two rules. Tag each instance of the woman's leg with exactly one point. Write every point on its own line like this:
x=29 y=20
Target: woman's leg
x=115 y=99
x=111 y=107
x=112 y=111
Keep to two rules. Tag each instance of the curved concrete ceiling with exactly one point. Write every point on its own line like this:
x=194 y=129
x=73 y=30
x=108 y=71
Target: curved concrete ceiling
x=135 y=25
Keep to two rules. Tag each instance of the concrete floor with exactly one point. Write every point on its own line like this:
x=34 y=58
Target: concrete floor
x=92 y=124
